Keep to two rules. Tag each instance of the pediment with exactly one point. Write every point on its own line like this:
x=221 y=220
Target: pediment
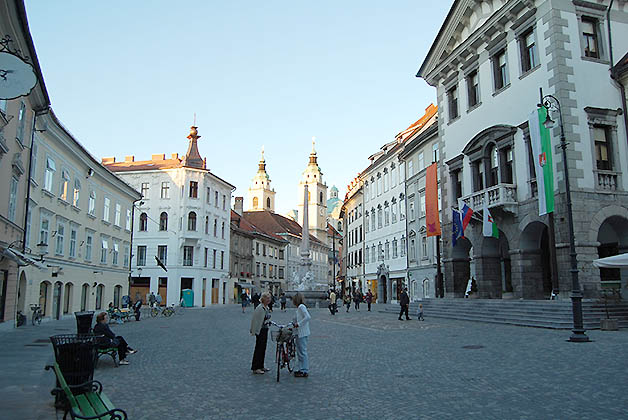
x=494 y=134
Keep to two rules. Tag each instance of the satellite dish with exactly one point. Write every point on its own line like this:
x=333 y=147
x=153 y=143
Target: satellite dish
x=17 y=78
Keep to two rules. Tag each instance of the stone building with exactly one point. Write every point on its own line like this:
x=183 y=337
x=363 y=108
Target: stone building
x=353 y=249
x=487 y=64
x=241 y=252
x=183 y=221
x=420 y=151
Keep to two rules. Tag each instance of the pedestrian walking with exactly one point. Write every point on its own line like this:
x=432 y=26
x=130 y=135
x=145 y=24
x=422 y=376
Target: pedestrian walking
x=332 y=302
x=420 y=313
x=347 y=300
x=245 y=300
x=111 y=340
x=137 y=306
x=302 y=325
x=404 y=301
x=357 y=297
x=151 y=299
x=369 y=299
x=255 y=299
x=259 y=328
x=282 y=300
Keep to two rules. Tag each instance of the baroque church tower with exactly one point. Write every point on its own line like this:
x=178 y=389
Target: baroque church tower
x=261 y=196
x=317 y=201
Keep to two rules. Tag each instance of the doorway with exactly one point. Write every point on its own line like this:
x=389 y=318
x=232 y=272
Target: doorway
x=162 y=289
x=4 y=277
x=224 y=292
x=204 y=290
x=67 y=298
x=383 y=287
x=215 y=291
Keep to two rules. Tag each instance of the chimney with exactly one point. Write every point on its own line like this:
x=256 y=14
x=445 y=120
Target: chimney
x=158 y=157
x=129 y=158
x=108 y=160
x=175 y=156
x=238 y=207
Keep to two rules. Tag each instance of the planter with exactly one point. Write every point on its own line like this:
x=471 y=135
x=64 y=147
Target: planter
x=608 y=324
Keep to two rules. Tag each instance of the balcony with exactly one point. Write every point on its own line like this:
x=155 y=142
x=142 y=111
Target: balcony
x=500 y=195
x=606 y=180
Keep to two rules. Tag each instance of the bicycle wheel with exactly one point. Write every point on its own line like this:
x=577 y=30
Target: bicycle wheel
x=34 y=319
x=39 y=317
x=154 y=312
x=289 y=362
x=279 y=358
x=168 y=312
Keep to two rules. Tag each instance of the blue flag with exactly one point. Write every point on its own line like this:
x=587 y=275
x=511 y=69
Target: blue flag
x=456 y=226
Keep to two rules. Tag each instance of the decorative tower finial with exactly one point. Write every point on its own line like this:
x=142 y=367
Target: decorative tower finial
x=193 y=157
x=313 y=145
x=262 y=159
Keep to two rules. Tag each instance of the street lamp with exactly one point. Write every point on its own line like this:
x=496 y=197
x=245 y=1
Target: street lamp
x=551 y=103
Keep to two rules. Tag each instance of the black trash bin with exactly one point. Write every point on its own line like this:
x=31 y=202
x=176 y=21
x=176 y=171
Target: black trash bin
x=84 y=322
x=76 y=356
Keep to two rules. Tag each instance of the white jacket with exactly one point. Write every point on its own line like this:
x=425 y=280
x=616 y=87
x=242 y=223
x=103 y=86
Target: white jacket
x=303 y=321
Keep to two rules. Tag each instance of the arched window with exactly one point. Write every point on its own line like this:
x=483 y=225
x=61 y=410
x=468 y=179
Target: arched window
x=192 y=221
x=163 y=221
x=268 y=202
x=255 y=202
x=100 y=291
x=143 y=222
x=320 y=197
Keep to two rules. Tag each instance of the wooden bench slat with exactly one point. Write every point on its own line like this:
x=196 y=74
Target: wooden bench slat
x=85 y=406
x=98 y=404
x=107 y=401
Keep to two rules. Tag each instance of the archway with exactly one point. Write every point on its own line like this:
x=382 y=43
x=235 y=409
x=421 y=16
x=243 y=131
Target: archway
x=458 y=271
x=67 y=298
x=426 y=288
x=21 y=293
x=45 y=296
x=535 y=275
x=493 y=268
x=84 y=297
x=383 y=289
x=613 y=238
x=56 y=300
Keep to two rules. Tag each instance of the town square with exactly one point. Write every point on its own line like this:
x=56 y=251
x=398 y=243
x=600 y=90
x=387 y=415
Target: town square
x=329 y=210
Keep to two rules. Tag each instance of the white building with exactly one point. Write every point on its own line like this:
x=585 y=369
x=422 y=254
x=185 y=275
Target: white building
x=487 y=63
x=419 y=151
x=353 y=242
x=317 y=198
x=184 y=221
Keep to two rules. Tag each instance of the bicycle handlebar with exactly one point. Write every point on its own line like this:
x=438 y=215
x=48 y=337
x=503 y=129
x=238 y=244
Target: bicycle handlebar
x=281 y=326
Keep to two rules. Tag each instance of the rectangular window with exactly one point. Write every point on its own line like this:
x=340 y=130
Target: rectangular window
x=103 y=251
x=165 y=190
x=13 y=199
x=281 y=273
x=106 y=209
x=141 y=255
x=590 y=35
x=144 y=189
x=263 y=270
x=91 y=205
x=410 y=167
x=264 y=250
x=35 y=148
x=421 y=161
x=44 y=229
x=19 y=136
x=51 y=167
x=89 y=242
x=456 y=182
x=115 y=253
x=28 y=228
x=281 y=252
x=188 y=256
x=193 y=189
x=452 y=100
x=528 y=51
x=224 y=202
x=208 y=196
x=116 y=220
x=214 y=259
x=257 y=269
x=60 y=237
x=424 y=246
x=206 y=257
x=602 y=149
x=500 y=71
x=73 y=236
x=65 y=185
x=473 y=88
x=126 y=255
x=222 y=260
x=127 y=224
x=223 y=230
x=162 y=254
x=77 y=193
x=435 y=152
x=216 y=198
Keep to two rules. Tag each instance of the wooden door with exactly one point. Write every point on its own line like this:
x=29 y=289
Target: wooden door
x=214 y=295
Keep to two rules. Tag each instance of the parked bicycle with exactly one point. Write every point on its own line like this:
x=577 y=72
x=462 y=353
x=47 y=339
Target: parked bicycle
x=286 y=347
x=37 y=315
x=166 y=311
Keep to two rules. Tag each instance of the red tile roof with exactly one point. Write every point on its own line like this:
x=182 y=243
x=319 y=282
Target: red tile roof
x=144 y=165
x=276 y=224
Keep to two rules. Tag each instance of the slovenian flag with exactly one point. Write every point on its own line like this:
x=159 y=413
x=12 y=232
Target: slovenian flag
x=489 y=227
x=542 y=156
x=456 y=226
x=466 y=216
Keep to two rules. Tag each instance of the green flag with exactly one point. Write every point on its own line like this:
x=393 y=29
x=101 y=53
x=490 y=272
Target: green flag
x=542 y=155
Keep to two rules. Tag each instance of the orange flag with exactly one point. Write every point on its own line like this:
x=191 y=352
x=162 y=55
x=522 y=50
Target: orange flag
x=431 y=201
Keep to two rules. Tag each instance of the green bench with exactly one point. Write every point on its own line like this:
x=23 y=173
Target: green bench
x=93 y=404
x=109 y=351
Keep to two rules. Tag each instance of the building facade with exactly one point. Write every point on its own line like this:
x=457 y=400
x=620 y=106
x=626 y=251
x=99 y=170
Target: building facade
x=419 y=151
x=487 y=63
x=353 y=250
x=317 y=198
x=240 y=253
x=183 y=222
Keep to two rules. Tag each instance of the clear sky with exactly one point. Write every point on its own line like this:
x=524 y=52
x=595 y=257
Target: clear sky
x=126 y=78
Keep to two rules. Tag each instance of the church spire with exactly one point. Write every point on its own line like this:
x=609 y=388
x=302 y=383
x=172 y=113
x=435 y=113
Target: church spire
x=262 y=162
x=313 y=157
x=193 y=158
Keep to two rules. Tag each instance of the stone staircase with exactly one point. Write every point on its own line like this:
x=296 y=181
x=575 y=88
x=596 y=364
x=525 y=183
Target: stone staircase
x=529 y=313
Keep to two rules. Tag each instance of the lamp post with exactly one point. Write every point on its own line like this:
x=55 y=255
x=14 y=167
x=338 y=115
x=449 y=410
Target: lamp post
x=551 y=103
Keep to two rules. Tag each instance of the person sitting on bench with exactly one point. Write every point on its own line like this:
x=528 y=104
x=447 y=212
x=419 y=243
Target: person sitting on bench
x=112 y=340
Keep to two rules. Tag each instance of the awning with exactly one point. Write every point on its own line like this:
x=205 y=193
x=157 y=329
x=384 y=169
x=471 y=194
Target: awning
x=22 y=259
x=616 y=261
x=245 y=285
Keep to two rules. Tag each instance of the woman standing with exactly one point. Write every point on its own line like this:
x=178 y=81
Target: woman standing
x=302 y=325
x=259 y=328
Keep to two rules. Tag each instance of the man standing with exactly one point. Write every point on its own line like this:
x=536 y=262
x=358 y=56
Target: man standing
x=404 y=301
x=332 y=302
x=369 y=299
x=255 y=300
x=151 y=299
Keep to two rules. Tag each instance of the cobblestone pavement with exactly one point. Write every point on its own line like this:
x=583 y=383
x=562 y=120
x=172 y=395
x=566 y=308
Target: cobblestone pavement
x=364 y=365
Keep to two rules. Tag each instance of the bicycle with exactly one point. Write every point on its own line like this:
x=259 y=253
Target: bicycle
x=286 y=347
x=37 y=315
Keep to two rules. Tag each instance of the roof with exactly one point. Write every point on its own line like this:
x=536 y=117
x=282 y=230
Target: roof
x=246 y=226
x=276 y=224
